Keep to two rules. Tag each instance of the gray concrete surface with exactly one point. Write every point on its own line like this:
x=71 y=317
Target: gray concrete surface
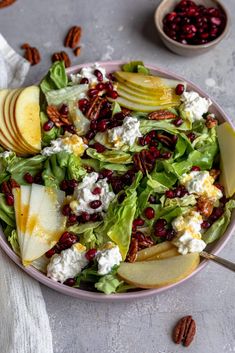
x=124 y=29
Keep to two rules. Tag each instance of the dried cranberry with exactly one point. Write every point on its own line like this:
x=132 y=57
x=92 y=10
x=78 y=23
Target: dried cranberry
x=95 y=204
x=96 y=190
x=105 y=173
x=38 y=178
x=28 y=178
x=48 y=125
x=119 y=116
x=64 y=185
x=149 y=213
x=178 y=122
x=170 y=194
x=66 y=210
x=84 y=81
x=220 y=187
x=96 y=217
x=170 y=234
x=9 y=199
x=165 y=155
x=155 y=152
x=83 y=104
x=100 y=86
x=191 y=136
x=64 y=109
x=112 y=94
x=102 y=125
x=85 y=216
x=109 y=86
x=205 y=224
x=72 y=183
x=160 y=232
x=152 y=199
x=99 y=148
x=72 y=218
x=195 y=168
x=92 y=92
x=50 y=253
x=216 y=214
x=216 y=21
x=138 y=222
x=70 y=282
x=117 y=184
x=93 y=125
x=67 y=239
x=179 y=89
x=90 y=254
x=160 y=223
x=99 y=75
x=141 y=141
x=90 y=135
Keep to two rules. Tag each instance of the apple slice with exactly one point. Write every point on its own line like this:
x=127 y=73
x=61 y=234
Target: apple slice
x=226 y=137
x=146 y=101
x=6 y=109
x=29 y=149
x=5 y=138
x=158 y=273
x=155 y=250
x=27 y=117
x=146 y=82
x=164 y=255
x=140 y=107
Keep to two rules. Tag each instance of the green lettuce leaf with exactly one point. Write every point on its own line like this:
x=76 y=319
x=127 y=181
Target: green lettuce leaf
x=161 y=181
x=110 y=156
x=56 y=78
x=115 y=108
x=177 y=168
x=65 y=95
x=219 y=227
x=108 y=284
x=135 y=66
x=7 y=213
x=12 y=237
x=149 y=125
x=87 y=236
x=187 y=200
x=119 y=217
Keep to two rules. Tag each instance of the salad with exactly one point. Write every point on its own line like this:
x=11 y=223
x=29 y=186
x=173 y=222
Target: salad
x=112 y=181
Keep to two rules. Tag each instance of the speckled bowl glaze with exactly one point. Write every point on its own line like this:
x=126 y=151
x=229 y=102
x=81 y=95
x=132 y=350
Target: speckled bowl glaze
x=82 y=294
x=167 y=6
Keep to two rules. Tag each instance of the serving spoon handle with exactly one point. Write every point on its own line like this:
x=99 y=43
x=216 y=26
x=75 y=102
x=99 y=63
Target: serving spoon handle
x=219 y=260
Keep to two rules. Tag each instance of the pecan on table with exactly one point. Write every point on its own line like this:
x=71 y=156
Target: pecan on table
x=5 y=3
x=73 y=37
x=162 y=115
x=77 y=51
x=205 y=206
x=57 y=118
x=61 y=56
x=31 y=54
x=184 y=331
x=95 y=108
x=211 y=121
x=133 y=249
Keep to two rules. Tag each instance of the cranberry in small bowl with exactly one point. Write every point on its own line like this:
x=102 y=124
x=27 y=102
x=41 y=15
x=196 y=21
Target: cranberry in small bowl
x=191 y=28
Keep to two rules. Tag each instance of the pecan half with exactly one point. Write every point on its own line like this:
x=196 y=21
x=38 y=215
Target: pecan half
x=77 y=51
x=133 y=249
x=95 y=108
x=143 y=161
x=161 y=115
x=184 y=331
x=211 y=121
x=5 y=3
x=73 y=37
x=214 y=173
x=31 y=54
x=205 y=206
x=165 y=140
x=143 y=240
x=57 y=118
x=61 y=56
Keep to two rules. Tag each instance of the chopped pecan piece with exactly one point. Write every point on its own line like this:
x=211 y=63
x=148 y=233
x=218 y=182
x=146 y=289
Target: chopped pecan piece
x=5 y=3
x=143 y=240
x=205 y=206
x=57 y=118
x=165 y=140
x=184 y=331
x=162 y=115
x=133 y=249
x=126 y=111
x=143 y=161
x=214 y=173
x=77 y=51
x=31 y=54
x=61 y=56
x=95 y=108
x=73 y=37
x=211 y=121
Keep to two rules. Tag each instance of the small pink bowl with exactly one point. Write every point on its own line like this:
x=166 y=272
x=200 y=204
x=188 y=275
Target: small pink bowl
x=167 y=6
x=82 y=294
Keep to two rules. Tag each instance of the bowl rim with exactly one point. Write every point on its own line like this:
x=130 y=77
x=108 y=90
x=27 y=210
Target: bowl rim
x=122 y=297
x=158 y=19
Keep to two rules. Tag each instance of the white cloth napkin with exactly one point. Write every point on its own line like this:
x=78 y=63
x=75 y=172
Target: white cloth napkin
x=24 y=323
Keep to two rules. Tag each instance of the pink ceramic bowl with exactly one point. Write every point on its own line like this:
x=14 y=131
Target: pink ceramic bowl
x=82 y=294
